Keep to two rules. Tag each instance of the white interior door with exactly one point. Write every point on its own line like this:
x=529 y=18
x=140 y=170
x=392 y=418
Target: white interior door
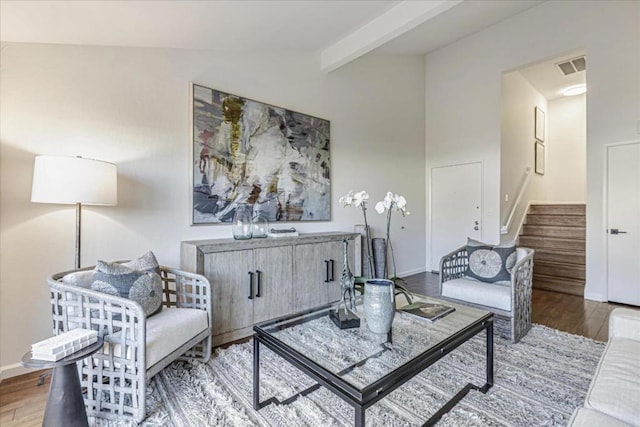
x=456 y=208
x=623 y=228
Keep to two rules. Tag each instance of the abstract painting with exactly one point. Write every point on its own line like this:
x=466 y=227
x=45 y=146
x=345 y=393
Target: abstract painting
x=273 y=159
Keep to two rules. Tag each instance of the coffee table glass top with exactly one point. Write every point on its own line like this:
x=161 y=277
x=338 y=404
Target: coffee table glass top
x=359 y=356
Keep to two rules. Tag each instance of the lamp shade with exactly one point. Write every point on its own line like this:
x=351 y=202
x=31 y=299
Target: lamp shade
x=71 y=180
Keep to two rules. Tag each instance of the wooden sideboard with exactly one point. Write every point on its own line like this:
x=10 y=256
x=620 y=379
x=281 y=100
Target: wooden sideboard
x=259 y=279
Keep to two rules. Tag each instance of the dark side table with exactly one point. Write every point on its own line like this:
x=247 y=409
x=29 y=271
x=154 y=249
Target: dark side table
x=65 y=404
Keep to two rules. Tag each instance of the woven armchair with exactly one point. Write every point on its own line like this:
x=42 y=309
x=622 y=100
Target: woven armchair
x=135 y=348
x=513 y=303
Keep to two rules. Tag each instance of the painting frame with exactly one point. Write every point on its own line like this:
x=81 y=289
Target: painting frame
x=539 y=123
x=539 y=158
x=245 y=151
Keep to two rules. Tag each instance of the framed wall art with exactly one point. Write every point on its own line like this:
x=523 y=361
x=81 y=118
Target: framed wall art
x=248 y=152
x=539 y=158
x=539 y=124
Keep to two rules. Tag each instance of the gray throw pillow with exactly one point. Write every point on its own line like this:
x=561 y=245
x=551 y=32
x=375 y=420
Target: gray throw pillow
x=138 y=280
x=490 y=263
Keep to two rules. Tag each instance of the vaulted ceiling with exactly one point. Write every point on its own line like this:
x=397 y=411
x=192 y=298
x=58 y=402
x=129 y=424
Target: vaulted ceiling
x=339 y=31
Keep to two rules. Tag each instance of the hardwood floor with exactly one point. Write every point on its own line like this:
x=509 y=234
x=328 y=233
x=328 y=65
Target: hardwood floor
x=22 y=402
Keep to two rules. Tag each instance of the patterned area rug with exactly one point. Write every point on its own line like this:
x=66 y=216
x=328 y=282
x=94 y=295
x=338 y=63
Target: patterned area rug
x=538 y=382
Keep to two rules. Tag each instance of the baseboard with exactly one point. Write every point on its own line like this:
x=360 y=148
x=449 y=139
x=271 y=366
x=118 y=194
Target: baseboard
x=412 y=272
x=12 y=370
x=594 y=296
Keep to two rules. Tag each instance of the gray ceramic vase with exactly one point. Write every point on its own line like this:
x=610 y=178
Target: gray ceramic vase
x=379 y=305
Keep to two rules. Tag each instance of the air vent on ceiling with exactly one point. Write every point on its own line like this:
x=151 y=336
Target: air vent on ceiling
x=573 y=65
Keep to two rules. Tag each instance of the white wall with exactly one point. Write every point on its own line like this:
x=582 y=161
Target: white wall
x=566 y=171
x=131 y=107
x=463 y=98
x=519 y=100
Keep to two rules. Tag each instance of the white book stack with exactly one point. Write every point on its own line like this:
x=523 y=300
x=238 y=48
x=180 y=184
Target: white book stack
x=55 y=348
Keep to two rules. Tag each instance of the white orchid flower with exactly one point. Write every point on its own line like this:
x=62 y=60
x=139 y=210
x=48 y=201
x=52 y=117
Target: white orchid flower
x=385 y=204
x=388 y=200
x=401 y=202
x=346 y=200
x=393 y=202
x=360 y=198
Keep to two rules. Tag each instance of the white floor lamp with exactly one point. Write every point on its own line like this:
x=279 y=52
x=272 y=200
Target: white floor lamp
x=74 y=180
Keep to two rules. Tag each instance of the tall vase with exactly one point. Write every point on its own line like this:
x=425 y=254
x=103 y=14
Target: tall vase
x=242 y=226
x=379 y=257
x=379 y=305
x=365 y=251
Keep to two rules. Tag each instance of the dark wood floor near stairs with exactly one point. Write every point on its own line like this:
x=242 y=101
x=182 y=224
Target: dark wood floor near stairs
x=22 y=402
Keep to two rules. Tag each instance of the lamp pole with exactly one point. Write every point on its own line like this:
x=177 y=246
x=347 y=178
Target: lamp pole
x=78 y=228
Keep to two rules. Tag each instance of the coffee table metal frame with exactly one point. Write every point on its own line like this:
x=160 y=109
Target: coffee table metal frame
x=363 y=398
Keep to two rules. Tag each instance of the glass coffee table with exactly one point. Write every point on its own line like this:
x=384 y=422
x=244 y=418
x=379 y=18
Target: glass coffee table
x=361 y=367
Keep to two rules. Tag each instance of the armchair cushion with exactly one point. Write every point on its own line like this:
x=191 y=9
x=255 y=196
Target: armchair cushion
x=490 y=263
x=488 y=294
x=166 y=332
x=138 y=280
x=170 y=329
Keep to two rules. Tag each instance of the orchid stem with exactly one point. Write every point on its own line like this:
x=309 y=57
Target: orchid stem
x=388 y=242
x=368 y=242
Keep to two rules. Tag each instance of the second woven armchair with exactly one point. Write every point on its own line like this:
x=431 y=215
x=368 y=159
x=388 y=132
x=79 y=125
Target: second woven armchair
x=510 y=300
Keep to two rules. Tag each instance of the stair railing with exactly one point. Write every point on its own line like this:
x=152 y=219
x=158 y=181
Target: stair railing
x=525 y=183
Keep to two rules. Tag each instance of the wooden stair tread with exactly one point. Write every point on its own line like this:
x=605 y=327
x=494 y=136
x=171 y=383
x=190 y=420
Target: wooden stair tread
x=558 y=209
x=556 y=227
x=555 y=219
x=547 y=237
x=564 y=285
x=559 y=231
x=576 y=282
x=559 y=256
x=559 y=251
x=542 y=242
x=559 y=269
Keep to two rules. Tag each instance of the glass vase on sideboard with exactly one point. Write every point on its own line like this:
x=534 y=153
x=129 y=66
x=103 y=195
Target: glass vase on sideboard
x=242 y=226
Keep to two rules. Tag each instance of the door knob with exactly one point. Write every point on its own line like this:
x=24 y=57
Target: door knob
x=616 y=231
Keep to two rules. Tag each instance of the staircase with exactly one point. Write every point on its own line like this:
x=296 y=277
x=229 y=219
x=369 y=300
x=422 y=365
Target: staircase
x=557 y=234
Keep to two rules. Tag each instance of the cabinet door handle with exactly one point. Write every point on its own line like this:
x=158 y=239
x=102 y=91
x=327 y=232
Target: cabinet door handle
x=332 y=271
x=251 y=285
x=326 y=271
x=259 y=274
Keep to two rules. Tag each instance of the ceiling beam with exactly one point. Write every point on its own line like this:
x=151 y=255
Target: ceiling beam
x=401 y=18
